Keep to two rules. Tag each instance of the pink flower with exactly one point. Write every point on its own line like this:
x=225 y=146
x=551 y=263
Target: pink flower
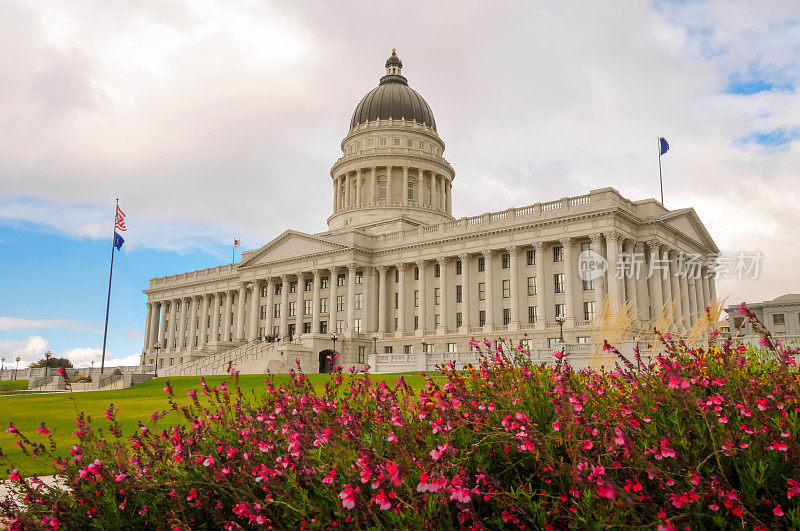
x=382 y=500
x=460 y=494
x=61 y=372
x=677 y=382
x=348 y=497
x=606 y=491
x=329 y=477
x=713 y=506
x=209 y=461
x=587 y=445
x=742 y=309
x=394 y=473
x=12 y=429
x=322 y=438
x=794 y=488
x=192 y=495
x=777 y=511
x=618 y=438
x=436 y=455
x=41 y=430
x=391 y=437
x=14 y=475
x=120 y=477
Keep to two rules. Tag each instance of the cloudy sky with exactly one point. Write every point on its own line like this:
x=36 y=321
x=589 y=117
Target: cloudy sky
x=213 y=119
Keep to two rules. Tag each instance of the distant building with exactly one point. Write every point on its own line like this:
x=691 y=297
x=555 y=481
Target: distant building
x=781 y=316
x=397 y=274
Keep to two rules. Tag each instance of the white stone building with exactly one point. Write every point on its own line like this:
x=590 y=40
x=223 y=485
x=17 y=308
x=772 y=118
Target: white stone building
x=781 y=316
x=395 y=273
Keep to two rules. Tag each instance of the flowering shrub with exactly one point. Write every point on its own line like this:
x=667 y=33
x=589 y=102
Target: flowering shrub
x=696 y=438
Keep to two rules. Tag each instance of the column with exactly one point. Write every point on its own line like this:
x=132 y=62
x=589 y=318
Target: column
x=466 y=290
x=443 y=314
x=226 y=316
x=182 y=323
x=642 y=294
x=666 y=287
x=674 y=287
x=441 y=192
x=541 y=286
x=332 y=311
x=389 y=185
x=192 y=322
x=174 y=317
x=359 y=196
x=703 y=287
x=154 y=321
x=270 y=284
x=148 y=326
x=381 y=299
x=686 y=305
x=315 y=301
x=351 y=297
x=599 y=283
x=401 y=298
x=284 y=307
x=163 y=333
x=423 y=299
x=239 y=331
x=656 y=292
x=335 y=194
x=405 y=185
x=215 y=317
x=612 y=252
x=449 y=191
x=347 y=190
x=712 y=286
x=253 y=316
x=692 y=293
x=632 y=274
x=300 y=307
x=569 y=284
x=204 y=320
x=374 y=186
x=489 y=280
x=514 y=284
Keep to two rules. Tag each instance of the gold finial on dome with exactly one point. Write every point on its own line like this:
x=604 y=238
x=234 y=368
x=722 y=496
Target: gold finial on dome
x=394 y=50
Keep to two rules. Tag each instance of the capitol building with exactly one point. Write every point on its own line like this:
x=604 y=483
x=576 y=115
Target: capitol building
x=398 y=283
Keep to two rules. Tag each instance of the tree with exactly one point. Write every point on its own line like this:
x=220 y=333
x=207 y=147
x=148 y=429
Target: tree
x=54 y=362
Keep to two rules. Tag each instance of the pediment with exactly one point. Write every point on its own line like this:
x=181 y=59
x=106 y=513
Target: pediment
x=289 y=245
x=687 y=222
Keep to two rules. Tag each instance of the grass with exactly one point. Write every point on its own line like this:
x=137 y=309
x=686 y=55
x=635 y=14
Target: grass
x=58 y=410
x=13 y=385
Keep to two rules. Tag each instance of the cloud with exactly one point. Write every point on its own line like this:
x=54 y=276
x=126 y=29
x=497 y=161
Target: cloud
x=133 y=334
x=214 y=118
x=83 y=357
x=9 y=324
x=30 y=350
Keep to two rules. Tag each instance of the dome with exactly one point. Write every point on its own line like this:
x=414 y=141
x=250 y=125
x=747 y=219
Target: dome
x=393 y=98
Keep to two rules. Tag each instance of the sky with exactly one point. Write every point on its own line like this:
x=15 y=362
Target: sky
x=214 y=119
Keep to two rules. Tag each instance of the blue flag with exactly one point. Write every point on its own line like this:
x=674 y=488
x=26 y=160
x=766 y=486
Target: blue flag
x=664 y=146
x=118 y=241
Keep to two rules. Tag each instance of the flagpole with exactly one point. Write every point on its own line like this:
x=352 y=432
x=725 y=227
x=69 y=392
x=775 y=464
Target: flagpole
x=660 y=178
x=233 y=251
x=108 y=300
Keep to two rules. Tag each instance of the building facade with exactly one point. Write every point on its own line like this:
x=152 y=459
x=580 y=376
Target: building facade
x=396 y=273
x=781 y=316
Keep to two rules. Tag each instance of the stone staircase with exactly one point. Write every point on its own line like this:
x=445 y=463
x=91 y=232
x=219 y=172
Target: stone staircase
x=248 y=358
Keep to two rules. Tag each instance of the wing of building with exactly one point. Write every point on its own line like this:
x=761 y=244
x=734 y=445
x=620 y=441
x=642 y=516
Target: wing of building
x=395 y=274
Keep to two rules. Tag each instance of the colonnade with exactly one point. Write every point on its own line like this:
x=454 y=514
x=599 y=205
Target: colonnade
x=362 y=187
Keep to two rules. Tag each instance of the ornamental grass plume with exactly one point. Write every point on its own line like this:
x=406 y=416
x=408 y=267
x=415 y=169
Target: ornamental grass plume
x=697 y=438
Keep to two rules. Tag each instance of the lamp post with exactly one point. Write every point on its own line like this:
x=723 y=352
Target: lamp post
x=17 y=359
x=157 y=347
x=637 y=343
x=334 y=337
x=560 y=320
x=374 y=343
x=2 y=363
x=47 y=363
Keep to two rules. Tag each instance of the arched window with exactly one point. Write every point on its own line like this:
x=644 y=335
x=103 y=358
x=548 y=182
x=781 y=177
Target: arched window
x=382 y=190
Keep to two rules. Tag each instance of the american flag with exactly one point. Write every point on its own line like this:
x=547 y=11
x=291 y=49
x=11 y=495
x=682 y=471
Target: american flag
x=120 y=224
x=236 y=242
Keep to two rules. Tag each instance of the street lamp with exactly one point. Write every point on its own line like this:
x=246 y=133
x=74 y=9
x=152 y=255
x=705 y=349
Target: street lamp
x=2 y=363
x=560 y=320
x=157 y=347
x=47 y=363
x=637 y=343
x=17 y=359
x=375 y=343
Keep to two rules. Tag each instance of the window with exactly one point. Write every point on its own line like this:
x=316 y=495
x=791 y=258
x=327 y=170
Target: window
x=459 y=321
x=416 y=298
x=357 y=324
x=309 y=284
x=276 y=330
x=408 y=349
x=451 y=347
x=531 y=286
x=506 y=289
x=263 y=294
x=359 y=301
x=323 y=305
x=340 y=326
x=396 y=141
x=588 y=310
x=428 y=349
x=262 y=332
x=359 y=145
x=382 y=190
x=506 y=316
x=458 y=293
x=388 y=349
x=532 y=317
x=436 y=320
x=436 y=296
x=552 y=342
x=422 y=145
x=396 y=301
x=558 y=254
x=481 y=291
x=416 y=322
x=370 y=142
x=437 y=271
x=382 y=142
x=409 y=143
x=458 y=267
x=481 y=318
x=530 y=257
x=293 y=286
x=584 y=340
x=341 y=279
x=263 y=312
x=307 y=307
x=324 y=282
x=292 y=309
x=307 y=328
x=359 y=277
x=778 y=319
x=481 y=264
x=411 y=190
x=586 y=246
x=362 y=354
x=277 y=311
x=395 y=324
x=416 y=273
x=588 y=285
x=340 y=303
x=505 y=260
x=168 y=306
x=278 y=290
x=323 y=327
x=350 y=148
x=559 y=310
x=558 y=280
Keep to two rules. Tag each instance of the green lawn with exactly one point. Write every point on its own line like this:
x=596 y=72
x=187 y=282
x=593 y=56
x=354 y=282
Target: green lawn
x=58 y=411
x=13 y=385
